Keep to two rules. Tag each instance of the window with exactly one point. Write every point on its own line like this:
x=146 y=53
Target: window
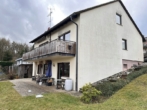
x=61 y=37
x=39 y=68
x=63 y=70
x=45 y=68
x=118 y=19
x=124 y=44
x=125 y=66
x=65 y=37
x=43 y=44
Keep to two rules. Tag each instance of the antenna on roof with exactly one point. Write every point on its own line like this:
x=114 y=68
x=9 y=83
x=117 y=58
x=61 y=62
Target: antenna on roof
x=50 y=16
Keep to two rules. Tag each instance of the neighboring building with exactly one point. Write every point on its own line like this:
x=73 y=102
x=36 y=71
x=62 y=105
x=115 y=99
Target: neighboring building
x=24 y=69
x=106 y=42
x=145 y=50
x=145 y=46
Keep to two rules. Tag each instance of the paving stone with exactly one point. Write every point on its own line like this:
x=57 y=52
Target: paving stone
x=23 y=85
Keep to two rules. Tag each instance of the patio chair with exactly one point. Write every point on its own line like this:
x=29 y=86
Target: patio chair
x=38 y=79
x=50 y=81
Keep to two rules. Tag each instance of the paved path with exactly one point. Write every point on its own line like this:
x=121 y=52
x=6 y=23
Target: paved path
x=23 y=85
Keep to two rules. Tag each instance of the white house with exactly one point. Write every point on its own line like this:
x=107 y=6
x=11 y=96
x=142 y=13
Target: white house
x=89 y=45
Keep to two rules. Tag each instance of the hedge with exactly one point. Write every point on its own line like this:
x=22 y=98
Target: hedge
x=5 y=63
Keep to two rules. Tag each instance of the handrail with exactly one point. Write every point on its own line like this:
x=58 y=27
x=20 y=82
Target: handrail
x=51 y=47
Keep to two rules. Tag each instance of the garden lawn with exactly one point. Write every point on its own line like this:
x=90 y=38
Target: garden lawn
x=132 y=97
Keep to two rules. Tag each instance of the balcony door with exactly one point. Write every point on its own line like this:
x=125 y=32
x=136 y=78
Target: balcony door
x=63 y=70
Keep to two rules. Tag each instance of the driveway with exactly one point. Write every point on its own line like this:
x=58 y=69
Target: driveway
x=23 y=85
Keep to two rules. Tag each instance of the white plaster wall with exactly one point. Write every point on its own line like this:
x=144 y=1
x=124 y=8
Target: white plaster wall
x=54 y=35
x=39 y=43
x=72 y=68
x=55 y=61
x=67 y=27
x=100 y=43
x=34 y=69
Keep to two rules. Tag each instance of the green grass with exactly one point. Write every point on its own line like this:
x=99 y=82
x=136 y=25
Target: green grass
x=132 y=97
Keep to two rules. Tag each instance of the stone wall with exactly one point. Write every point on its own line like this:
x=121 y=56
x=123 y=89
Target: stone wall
x=119 y=75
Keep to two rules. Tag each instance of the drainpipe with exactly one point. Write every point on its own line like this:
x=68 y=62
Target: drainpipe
x=76 y=52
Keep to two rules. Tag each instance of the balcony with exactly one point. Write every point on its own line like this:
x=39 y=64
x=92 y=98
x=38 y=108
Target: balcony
x=56 y=47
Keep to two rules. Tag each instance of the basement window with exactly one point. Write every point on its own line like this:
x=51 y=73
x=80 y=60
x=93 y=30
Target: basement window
x=125 y=66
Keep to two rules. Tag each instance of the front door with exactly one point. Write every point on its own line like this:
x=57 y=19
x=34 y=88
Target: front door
x=63 y=70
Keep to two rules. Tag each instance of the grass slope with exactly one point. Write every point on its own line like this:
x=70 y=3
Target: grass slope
x=132 y=96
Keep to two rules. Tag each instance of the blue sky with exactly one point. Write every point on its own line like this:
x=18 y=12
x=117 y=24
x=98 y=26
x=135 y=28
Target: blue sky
x=23 y=20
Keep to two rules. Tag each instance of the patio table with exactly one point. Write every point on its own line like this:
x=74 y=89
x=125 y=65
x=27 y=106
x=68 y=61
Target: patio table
x=44 y=80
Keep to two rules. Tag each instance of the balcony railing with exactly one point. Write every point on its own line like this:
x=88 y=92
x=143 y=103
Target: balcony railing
x=56 y=46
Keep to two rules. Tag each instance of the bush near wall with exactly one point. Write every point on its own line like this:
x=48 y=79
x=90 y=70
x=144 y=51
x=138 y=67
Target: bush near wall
x=90 y=94
x=5 y=63
x=109 y=88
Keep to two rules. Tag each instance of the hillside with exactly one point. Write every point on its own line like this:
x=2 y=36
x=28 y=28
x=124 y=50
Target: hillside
x=132 y=97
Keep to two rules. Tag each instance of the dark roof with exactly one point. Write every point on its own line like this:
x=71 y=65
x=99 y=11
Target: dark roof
x=75 y=14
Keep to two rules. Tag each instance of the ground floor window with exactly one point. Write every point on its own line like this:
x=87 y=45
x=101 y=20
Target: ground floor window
x=39 y=68
x=63 y=70
x=45 y=68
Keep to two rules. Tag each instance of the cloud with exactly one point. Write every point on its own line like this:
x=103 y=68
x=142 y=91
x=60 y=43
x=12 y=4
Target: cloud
x=137 y=11
x=24 y=20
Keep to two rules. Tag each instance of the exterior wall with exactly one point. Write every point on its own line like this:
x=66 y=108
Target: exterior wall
x=55 y=67
x=72 y=68
x=39 y=43
x=129 y=64
x=34 y=69
x=54 y=35
x=100 y=43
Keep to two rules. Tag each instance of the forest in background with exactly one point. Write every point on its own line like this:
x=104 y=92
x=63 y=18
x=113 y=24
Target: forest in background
x=11 y=50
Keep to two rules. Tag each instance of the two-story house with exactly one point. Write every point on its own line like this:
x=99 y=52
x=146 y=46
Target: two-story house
x=89 y=45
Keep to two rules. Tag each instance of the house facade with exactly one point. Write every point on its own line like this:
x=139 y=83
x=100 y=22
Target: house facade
x=89 y=45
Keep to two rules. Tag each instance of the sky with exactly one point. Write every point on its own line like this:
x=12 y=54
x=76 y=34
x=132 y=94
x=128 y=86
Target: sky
x=24 y=20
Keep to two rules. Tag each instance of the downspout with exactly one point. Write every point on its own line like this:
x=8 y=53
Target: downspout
x=76 y=83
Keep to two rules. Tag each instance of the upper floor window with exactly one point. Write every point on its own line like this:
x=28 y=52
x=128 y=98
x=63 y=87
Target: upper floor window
x=124 y=44
x=65 y=36
x=118 y=19
x=43 y=44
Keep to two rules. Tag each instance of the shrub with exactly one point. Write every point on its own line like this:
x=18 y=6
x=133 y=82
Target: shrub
x=90 y=94
x=11 y=76
x=109 y=88
x=5 y=63
x=136 y=74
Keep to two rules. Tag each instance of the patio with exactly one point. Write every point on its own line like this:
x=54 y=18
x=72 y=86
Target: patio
x=23 y=85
